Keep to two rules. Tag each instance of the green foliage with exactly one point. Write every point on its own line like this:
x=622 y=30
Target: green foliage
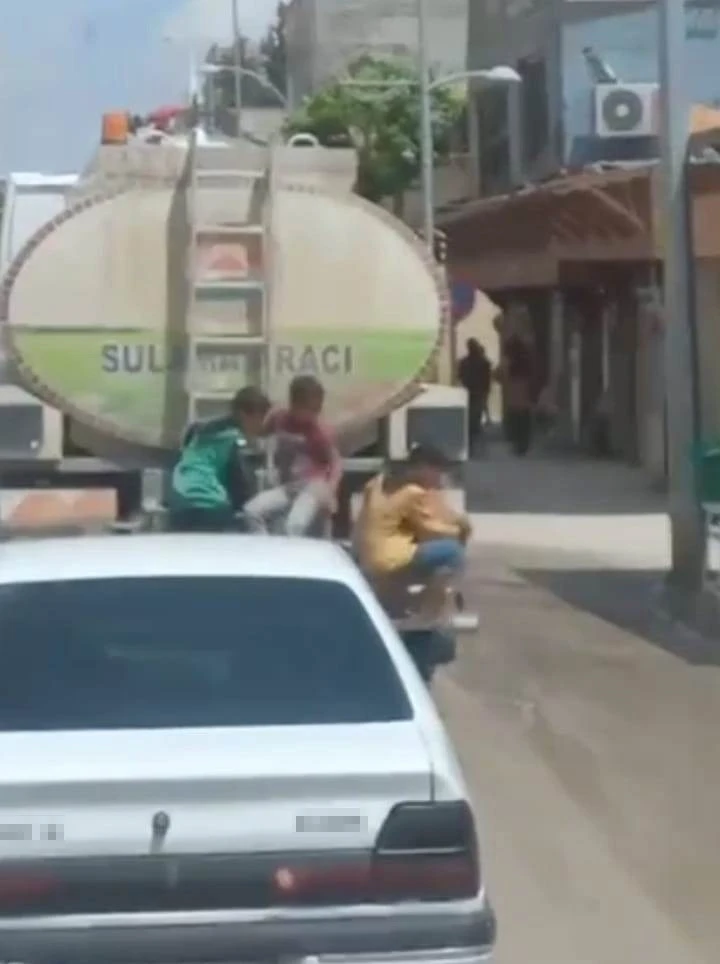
x=381 y=121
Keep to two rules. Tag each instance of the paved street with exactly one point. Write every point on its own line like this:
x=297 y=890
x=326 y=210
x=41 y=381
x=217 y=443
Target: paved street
x=587 y=724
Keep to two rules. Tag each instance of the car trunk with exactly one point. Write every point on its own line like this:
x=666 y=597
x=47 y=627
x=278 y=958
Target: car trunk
x=192 y=819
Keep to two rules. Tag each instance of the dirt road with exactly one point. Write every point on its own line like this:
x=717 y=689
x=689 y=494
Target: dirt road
x=593 y=751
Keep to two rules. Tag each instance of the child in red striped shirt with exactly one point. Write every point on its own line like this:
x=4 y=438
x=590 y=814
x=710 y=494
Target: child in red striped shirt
x=307 y=462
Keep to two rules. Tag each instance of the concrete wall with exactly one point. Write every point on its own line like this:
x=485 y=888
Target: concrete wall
x=501 y=31
x=453 y=182
x=323 y=36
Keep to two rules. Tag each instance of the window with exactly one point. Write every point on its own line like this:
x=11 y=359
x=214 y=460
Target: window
x=492 y=106
x=494 y=139
x=191 y=652
x=535 y=114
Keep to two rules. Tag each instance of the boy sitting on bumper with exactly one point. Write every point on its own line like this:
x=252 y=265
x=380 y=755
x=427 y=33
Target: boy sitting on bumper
x=406 y=530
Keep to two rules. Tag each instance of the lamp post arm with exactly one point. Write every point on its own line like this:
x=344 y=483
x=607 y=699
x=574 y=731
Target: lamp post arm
x=486 y=75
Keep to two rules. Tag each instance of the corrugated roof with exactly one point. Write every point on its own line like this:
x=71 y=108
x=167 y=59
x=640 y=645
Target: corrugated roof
x=704 y=120
x=567 y=183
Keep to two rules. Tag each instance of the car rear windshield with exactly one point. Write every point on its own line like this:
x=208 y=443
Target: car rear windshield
x=191 y=652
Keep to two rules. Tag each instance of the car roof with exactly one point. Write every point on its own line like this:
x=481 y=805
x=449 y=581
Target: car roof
x=117 y=556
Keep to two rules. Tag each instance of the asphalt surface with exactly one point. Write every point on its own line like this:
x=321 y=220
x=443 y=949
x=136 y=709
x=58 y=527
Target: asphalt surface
x=589 y=730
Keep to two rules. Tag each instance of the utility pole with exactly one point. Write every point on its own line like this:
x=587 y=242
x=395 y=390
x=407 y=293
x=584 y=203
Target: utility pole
x=237 y=61
x=687 y=528
x=427 y=148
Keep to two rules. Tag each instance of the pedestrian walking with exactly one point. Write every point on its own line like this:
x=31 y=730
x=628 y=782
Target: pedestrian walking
x=516 y=374
x=475 y=375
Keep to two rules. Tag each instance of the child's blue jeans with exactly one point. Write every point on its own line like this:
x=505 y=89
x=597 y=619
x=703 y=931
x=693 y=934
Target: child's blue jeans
x=439 y=554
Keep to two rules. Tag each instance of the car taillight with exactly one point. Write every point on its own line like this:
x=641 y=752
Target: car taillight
x=424 y=851
x=427 y=851
x=346 y=881
x=23 y=888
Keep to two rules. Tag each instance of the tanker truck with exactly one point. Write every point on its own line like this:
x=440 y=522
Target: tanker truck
x=140 y=294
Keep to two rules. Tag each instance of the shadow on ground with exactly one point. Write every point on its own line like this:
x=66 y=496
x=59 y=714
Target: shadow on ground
x=631 y=600
x=498 y=482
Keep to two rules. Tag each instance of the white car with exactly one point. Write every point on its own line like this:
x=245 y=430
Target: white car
x=216 y=749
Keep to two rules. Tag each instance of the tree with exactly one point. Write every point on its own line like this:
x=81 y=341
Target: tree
x=382 y=122
x=273 y=50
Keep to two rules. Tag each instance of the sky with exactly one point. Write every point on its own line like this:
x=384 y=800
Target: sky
x=64 y=62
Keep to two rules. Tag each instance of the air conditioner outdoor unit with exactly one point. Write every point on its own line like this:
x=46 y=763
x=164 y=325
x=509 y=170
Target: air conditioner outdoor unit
x=626 y=110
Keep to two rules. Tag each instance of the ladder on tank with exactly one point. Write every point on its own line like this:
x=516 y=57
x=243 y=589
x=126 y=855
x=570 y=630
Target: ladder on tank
x=228 y=334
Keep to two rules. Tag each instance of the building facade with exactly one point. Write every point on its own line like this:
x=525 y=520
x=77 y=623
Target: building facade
x=324 y=36
x=567 y=234
x=551 y=121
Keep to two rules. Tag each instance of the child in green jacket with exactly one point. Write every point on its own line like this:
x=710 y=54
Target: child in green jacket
x=212 y=479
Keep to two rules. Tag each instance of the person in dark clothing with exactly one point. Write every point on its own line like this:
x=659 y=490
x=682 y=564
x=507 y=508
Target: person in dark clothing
x=516 y=375
x=475 y=375
x=213 y=478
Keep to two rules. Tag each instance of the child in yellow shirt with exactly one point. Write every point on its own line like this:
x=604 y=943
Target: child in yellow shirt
x=406 y=524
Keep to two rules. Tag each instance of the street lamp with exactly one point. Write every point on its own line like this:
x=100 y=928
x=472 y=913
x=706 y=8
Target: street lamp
x=245 y=72
x=496 y=75
x=490 y=75
x=240 y=72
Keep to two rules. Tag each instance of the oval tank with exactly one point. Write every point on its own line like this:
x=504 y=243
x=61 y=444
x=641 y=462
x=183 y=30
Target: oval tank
x=147 y=304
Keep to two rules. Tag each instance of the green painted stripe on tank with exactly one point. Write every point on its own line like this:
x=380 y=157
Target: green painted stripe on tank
x=122 y=376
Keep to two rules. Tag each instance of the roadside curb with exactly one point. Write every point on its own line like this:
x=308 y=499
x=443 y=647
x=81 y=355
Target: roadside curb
x=697 y=611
